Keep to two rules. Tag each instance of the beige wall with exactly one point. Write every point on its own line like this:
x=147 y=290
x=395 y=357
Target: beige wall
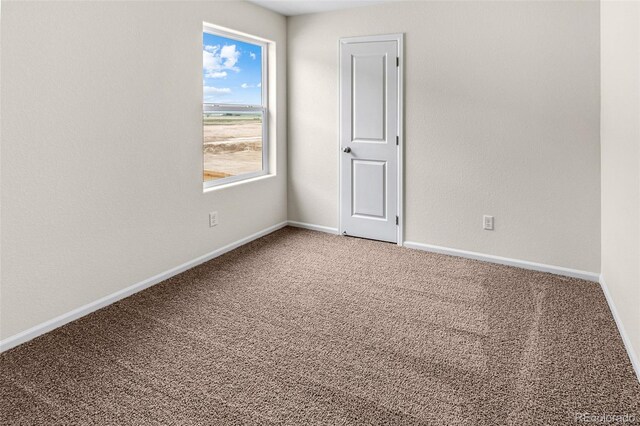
x=101 y=149
x=501 y=118
x=620 y=133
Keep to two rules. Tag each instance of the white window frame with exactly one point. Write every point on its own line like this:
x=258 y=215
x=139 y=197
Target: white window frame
x=263 y=109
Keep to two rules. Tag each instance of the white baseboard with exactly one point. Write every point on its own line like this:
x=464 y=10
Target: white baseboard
x=33 y=332
x=633 y=357
x=525 y=264
x=313 y=227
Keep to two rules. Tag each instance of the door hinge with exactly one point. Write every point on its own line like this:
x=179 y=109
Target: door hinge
x=397 y=140
x=397 y=220
x=397 y=61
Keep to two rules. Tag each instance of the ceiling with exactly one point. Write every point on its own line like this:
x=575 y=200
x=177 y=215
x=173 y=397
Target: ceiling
x=300 y=7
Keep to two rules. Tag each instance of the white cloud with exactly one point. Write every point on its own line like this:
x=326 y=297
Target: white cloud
x=213 y=94
x=216 y=60
x=210 y=90
x=250 y=86
x=216 y=74
x=230 y=56
x=253 y=55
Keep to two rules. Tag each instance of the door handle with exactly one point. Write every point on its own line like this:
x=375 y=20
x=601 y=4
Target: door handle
x=347 y=150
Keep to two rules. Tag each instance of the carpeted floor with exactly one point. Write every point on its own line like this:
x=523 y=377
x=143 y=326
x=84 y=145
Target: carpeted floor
x=306 y=328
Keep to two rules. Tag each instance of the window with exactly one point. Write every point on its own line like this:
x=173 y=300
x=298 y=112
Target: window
x=234 y=108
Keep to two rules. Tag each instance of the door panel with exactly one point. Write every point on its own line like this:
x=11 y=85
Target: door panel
x=368 y=131
x=368 y=94
x=366 y=179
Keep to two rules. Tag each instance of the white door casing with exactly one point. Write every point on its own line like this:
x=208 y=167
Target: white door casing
x=370 y=166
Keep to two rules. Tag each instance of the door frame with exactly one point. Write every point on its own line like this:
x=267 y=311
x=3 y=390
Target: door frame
x=398 y=38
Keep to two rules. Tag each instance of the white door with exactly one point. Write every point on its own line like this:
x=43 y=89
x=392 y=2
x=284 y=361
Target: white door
x=369 y=122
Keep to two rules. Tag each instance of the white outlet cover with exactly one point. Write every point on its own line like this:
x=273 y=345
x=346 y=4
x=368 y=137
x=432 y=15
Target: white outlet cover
x=213 y=219
x=487 y=222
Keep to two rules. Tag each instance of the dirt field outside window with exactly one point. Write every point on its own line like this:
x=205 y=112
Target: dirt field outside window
x=232 y=144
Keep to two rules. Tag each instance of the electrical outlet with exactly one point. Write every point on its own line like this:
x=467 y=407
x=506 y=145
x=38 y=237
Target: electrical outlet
x=213 y=219
x=487 y=222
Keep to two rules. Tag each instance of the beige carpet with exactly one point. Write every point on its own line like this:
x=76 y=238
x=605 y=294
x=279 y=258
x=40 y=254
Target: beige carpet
x=306 y=328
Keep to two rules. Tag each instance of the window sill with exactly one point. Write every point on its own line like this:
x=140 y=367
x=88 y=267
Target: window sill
x=239 y=182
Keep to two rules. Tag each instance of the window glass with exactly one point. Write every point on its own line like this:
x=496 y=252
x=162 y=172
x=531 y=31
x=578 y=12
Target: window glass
x=232 y=143
x=234 y=115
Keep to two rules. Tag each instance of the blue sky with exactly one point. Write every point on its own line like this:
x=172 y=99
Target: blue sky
x=231 y=71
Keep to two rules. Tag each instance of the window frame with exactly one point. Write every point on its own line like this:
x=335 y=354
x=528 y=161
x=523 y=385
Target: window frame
x=263 y=109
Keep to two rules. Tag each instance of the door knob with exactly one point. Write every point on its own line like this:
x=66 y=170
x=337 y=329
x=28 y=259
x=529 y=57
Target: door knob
x=347 y=150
